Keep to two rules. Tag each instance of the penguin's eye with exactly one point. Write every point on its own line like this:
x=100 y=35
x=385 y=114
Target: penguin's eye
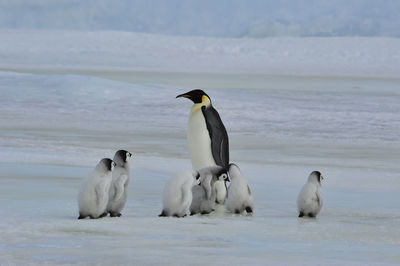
x=224 y=176
x=197 y=177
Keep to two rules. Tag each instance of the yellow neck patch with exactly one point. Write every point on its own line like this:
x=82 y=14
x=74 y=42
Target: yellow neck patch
x=205 y=101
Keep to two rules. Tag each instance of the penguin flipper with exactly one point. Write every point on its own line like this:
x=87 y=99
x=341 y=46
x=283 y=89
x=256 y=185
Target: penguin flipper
x=248 y=190
x=218 y=136
x=119 y=187
x=98 y=189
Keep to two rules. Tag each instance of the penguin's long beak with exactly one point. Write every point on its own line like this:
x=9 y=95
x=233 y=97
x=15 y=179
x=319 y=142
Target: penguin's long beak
x=184 y=95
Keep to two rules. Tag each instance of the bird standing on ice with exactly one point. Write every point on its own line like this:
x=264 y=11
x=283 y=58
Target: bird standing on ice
x=239 y=195
x=178 y=193
x=93 y=195
x=207 y=137
x=309 y=201
x=119 y=185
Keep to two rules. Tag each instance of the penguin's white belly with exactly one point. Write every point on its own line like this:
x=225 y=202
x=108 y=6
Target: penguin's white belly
x=220 y=191
x=199 y=141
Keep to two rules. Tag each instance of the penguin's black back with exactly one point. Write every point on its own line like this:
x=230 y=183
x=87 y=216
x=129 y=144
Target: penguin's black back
x=218 y=136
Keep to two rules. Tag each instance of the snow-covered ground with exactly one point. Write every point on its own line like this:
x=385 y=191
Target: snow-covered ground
x=376 y=57
x=71 y=98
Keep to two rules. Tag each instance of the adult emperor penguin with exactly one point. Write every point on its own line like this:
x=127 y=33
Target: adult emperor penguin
x=207 y=137
x=309 y=201
x=93 y=195
x=118 y=193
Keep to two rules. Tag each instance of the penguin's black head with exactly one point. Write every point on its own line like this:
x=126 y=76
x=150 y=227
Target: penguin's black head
x=318 y=175
x=107 y=164
x=223 y=174
x=122 y=156
x=197 y=96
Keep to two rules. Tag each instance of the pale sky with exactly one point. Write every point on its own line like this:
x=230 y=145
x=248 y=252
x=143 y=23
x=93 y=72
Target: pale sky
x=219 y=18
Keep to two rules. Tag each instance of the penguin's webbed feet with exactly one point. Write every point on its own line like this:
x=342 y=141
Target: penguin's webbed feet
x=249 y=210
x=103 y=215
x=162 y=214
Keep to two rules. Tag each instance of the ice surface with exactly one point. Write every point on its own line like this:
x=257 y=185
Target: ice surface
x=82 y=117
x=62 y=111
x=39 y=225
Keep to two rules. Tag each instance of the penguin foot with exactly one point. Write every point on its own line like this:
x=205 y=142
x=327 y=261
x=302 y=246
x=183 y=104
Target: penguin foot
x=301 y=214
x=178 y=216
x=311 y=215
x=81 y=217
x=249 y=210
x=162 y=214
x=237 y=211
x=103 y=215
x=113 y=214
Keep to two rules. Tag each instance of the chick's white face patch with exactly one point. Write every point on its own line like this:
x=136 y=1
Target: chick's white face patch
x=223 y=177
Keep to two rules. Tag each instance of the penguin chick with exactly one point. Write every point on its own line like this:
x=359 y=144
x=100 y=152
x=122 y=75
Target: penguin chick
x=309 y=201
x=220 y=191
x=93 y=195
x=204 y=195
x=178 y=193
x=239 y=197
x=119 y=185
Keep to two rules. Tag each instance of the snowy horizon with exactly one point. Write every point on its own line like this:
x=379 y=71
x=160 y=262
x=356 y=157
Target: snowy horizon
x=235 y=18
